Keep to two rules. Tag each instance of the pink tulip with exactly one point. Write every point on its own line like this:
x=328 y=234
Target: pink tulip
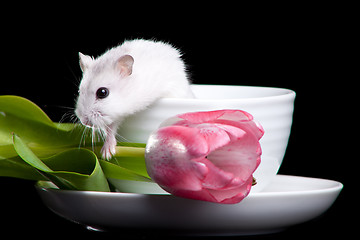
x=207 y=156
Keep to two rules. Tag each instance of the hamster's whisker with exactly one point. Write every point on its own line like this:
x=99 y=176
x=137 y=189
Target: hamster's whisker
x=100 y=128
x=74 y=119
x=93 y=133
x=66 y=107
x=121 y=138
x=66 y=115
x=83 y=136
x=73 y=75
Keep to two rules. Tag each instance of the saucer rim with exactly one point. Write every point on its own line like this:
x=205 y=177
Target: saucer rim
x=337 y=187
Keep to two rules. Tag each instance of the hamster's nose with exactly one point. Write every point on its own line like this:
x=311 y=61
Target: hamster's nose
x=86 y=122
x=83 y=119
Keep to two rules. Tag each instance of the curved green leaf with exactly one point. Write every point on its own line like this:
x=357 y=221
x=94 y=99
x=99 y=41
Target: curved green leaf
x=112 y=170
x=134 y=164
x=35 y=128
x=28 y=156
x=23 y=108
x=78 y=168
x=43 y=150
x=16 y=167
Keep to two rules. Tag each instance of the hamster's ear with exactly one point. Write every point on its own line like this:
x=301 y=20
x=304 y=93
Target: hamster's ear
x=124 y=64
x=85 y=61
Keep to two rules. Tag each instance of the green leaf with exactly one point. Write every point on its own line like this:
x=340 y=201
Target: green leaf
x=77 y=168
x=28 y=156
x=112 y=170
x=16 y=167
x=35 y=128
x=23 y=108
x=43 y=150
x=134 y=164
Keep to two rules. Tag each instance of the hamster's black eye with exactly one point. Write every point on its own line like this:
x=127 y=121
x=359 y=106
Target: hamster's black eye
x=102 y=93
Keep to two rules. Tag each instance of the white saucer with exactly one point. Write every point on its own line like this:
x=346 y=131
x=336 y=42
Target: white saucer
x=287 y=201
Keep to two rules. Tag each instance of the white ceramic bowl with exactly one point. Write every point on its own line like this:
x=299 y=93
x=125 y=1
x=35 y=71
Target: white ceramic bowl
x=271 y=107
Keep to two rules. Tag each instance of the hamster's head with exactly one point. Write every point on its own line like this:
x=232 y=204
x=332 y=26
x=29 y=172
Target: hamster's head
x=99 y=90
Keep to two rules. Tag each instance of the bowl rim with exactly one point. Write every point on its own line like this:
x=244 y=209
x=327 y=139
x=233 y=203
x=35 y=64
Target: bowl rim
x=285 y=93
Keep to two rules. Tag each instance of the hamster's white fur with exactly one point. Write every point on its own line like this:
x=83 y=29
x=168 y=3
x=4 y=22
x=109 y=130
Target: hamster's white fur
x=135 y=74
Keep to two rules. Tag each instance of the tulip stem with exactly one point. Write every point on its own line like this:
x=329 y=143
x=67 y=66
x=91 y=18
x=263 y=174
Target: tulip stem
x=123 y=151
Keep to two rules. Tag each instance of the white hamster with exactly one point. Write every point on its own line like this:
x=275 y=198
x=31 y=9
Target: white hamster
x=127 y=79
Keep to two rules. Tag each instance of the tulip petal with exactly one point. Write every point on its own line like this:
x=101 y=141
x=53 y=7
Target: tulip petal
x=230 y=196
x=200 y=169
x=236 y=115
x=234 y=195
x=214 y=136
x=183 y=139
x=201 y=117
x=247 y=126
x=235 y=132
x=215 y=178
x=167 y=157
x=238 y=157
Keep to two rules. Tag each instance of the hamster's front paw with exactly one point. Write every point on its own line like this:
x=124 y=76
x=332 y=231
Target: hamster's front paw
x=108 y=150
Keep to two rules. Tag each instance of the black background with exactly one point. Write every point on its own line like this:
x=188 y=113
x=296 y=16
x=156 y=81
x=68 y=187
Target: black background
x=305 y=49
